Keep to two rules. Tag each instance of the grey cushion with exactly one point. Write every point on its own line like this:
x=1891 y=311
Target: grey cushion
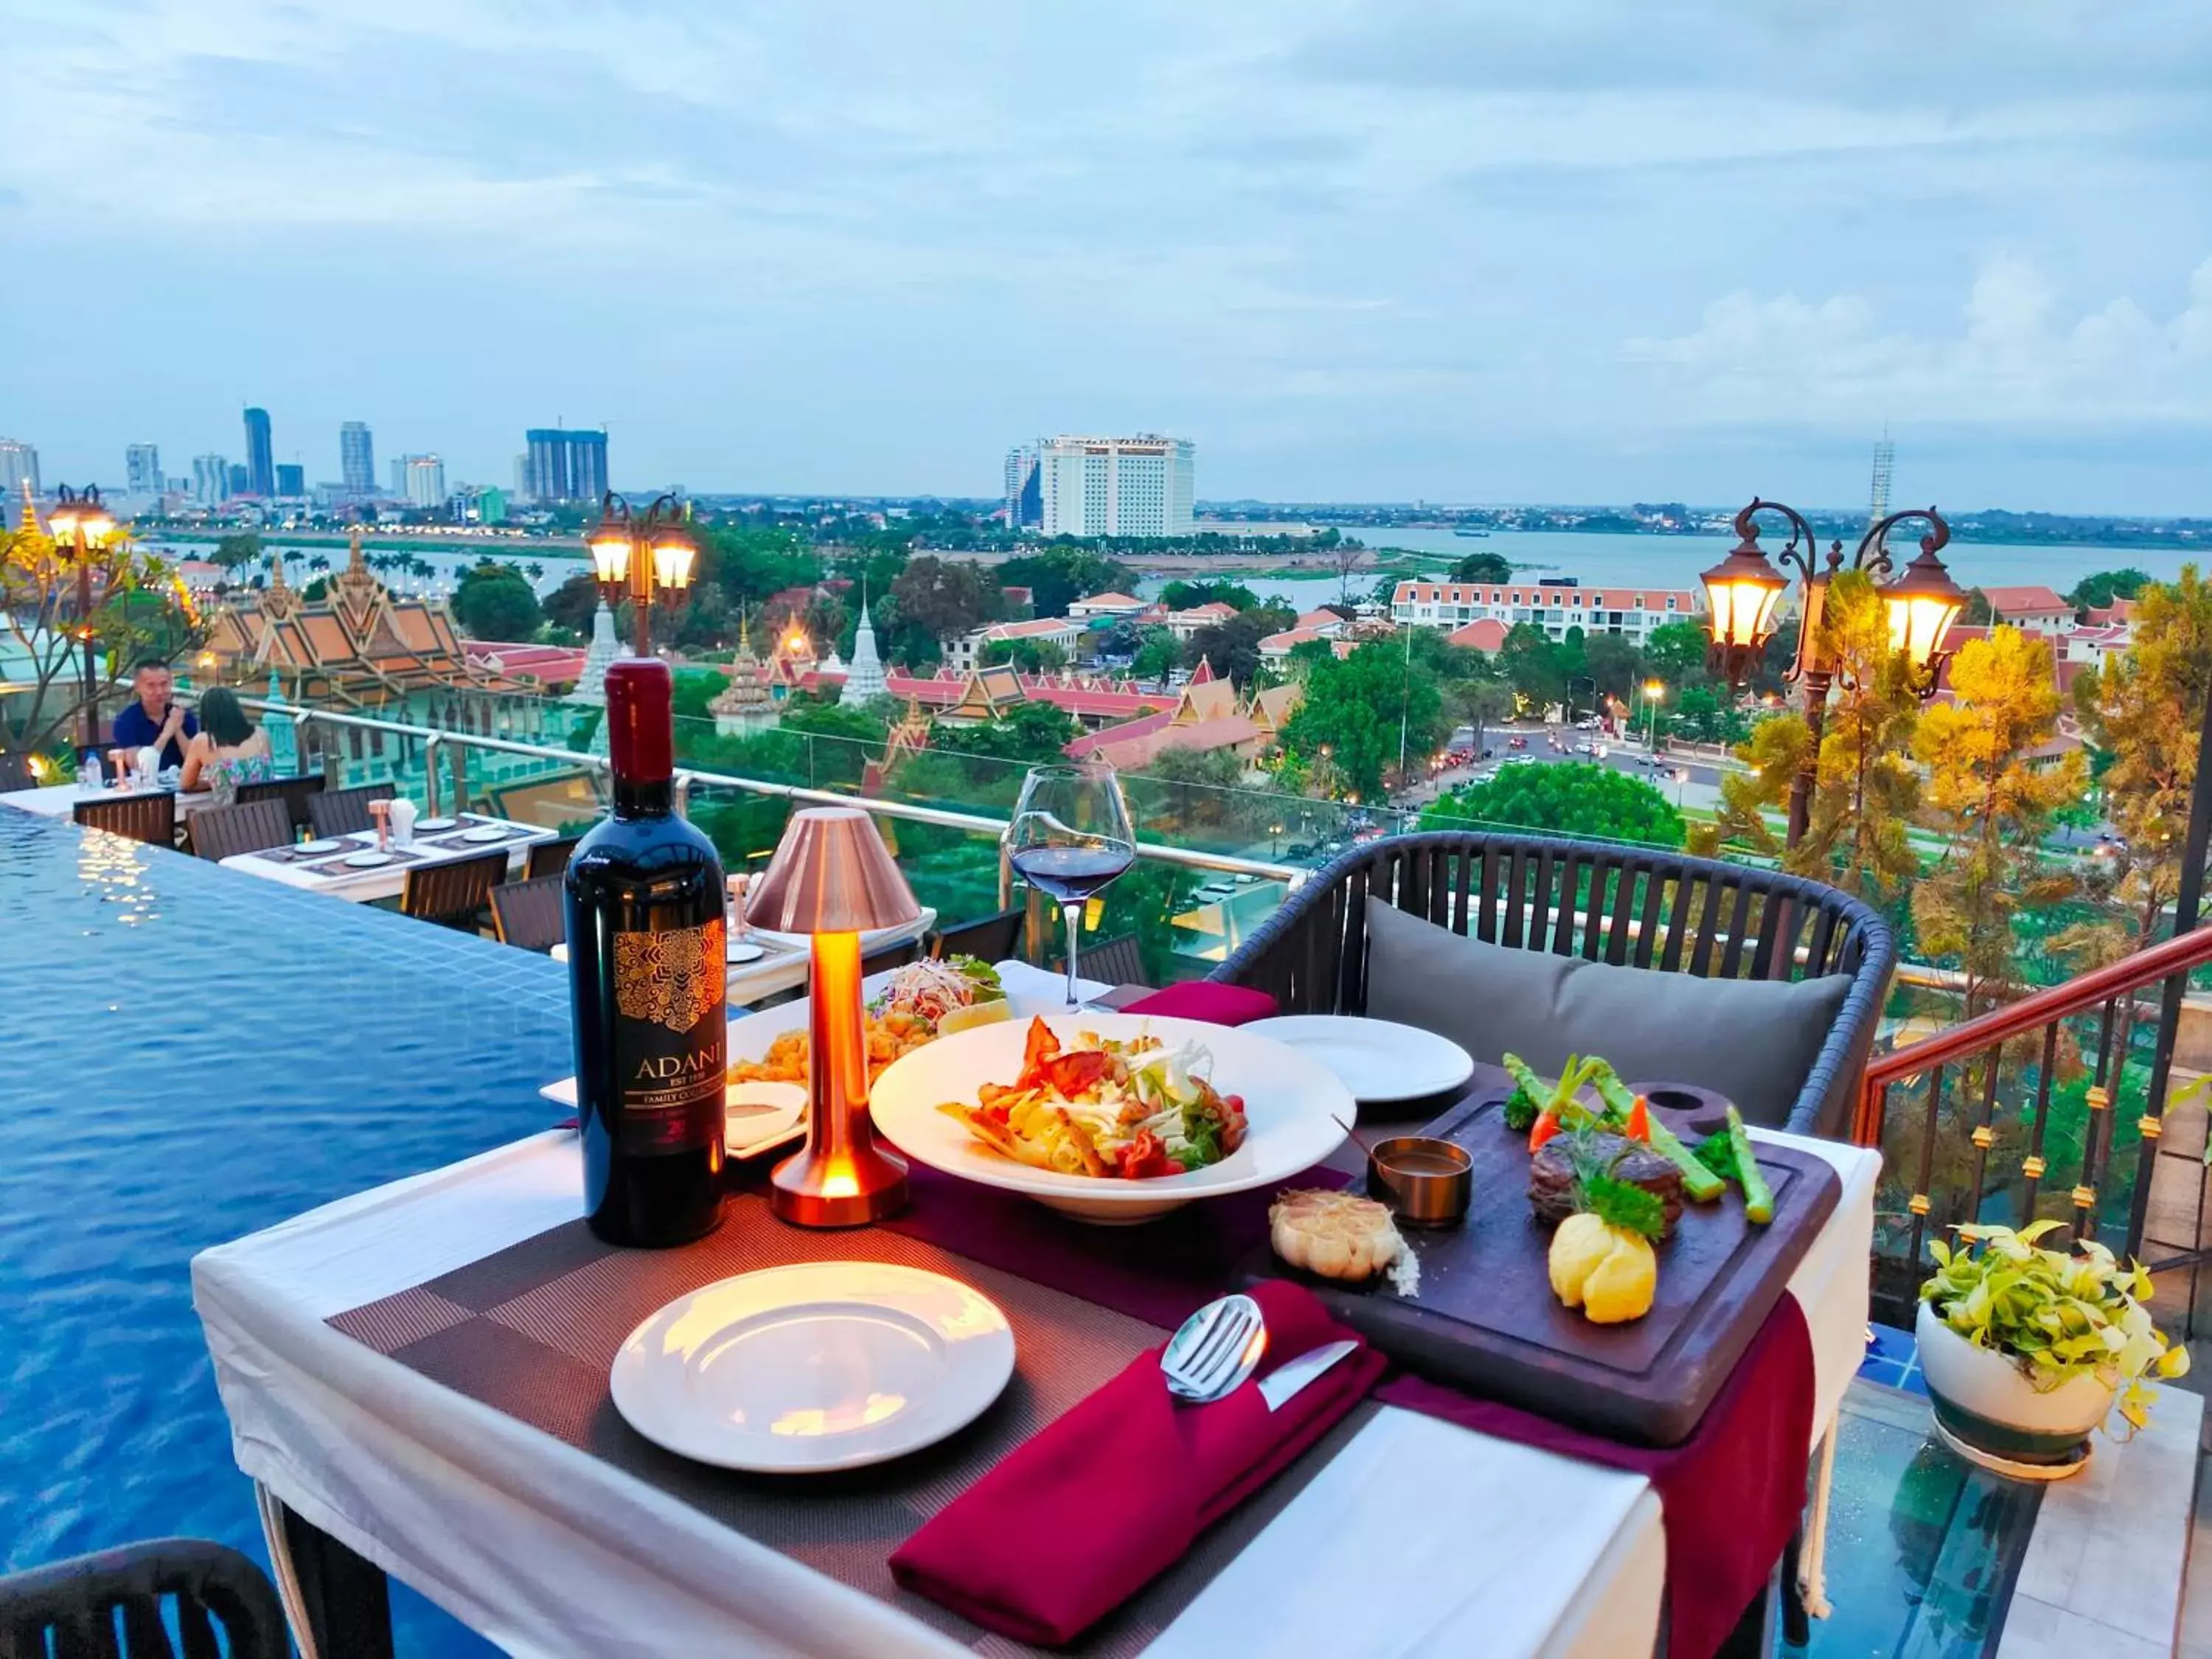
x=1753 y=1041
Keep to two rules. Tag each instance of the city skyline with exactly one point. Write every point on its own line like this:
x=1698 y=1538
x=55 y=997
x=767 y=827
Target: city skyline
x=1595 y=254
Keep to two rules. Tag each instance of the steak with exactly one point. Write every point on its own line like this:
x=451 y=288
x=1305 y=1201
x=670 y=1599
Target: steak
x=1552 y=1173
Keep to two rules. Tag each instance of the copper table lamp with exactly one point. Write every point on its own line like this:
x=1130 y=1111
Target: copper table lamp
x=832 y=878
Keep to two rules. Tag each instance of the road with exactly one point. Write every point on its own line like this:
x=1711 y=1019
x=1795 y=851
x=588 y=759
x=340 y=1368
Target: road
x=1701 y=788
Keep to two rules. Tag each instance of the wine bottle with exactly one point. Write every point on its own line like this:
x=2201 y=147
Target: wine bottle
x=649 y=982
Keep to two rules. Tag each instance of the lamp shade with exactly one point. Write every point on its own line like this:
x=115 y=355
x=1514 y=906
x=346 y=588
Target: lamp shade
x=1922 y=604
x=831 y=874
x=1741 y=592
x=672 y=558
x=609 y=546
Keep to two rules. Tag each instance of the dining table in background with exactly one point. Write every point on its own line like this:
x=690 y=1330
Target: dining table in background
x=284 y=864
x=60 y=800
x=782 y=963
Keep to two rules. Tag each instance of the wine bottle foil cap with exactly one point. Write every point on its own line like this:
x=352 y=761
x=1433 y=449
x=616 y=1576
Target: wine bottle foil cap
x=640 y=731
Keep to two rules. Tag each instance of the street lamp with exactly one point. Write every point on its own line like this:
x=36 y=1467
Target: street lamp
x=1655 y=693
x=635 y=556
x=83 y=524
x=1744 y=589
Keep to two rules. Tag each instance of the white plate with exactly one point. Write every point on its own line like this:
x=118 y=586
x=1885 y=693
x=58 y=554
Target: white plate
x=742 y=949
x=758 y=1115
x=1290 y=1104
x=320 y=846
x=1377 y=1059
x=482 y=832
x=371 y=860
x=431 y=826
x=823 y=1366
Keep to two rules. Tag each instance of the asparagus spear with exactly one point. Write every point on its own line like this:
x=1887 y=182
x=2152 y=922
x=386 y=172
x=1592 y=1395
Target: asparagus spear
x=1758 y=1199
x=1700 y=1183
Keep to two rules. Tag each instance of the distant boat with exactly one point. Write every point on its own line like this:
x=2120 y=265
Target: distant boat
x=1473 y=535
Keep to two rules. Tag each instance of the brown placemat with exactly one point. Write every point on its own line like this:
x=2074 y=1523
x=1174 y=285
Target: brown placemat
x=336 y=865
x=532 y=1331
x=449 y=839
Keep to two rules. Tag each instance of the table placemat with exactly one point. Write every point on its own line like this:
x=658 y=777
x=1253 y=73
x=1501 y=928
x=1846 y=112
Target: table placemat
x=533 y=1329
x=297 y=853
x=336 y=865
x=453 y=839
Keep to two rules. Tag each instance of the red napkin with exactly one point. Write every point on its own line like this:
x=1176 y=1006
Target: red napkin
x=1204 y=999
x=1123 y=1485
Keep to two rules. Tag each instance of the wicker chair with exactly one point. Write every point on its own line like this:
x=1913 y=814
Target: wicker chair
x=344 y=812
x=188 y=1584
x=1602 y=900
x=987 y=938
x=294 y=793
x=150 y=819
x=1115 y=961
x=530 y=914
x=453 y=893
x=222 y=832
x=550 y=858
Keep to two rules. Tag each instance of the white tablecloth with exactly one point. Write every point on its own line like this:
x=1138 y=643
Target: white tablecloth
x=58 y=801
x=1420 y=1539
x=385 y=882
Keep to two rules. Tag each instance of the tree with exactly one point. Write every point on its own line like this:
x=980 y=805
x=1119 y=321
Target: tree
x=1188 y=596
x=1346 y=555
x=1614 y=664
x=1483 y=567
x=1031 y=733
x=1532 y=665
x=1232 y=647
x=1201 y=785
x=1029 y=656
x=751 y=564
x=1565 y=796
x=1357 y=707
x=940 y=598
x=1157 y=652
x=235 y=550
x=2097 y=590
x=1675 y=651
x=1058 y=576
x=495 y=602
x=1481 y=704
x=1994 y=804
x=573 y=604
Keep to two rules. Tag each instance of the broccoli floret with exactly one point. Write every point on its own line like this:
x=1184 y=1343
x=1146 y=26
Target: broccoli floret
x=1520 y=1109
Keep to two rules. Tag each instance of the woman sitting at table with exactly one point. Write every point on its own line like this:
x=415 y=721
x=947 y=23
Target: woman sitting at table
x=230 y=749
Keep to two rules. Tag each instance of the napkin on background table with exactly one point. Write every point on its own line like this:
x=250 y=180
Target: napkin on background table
x=1123 y=1485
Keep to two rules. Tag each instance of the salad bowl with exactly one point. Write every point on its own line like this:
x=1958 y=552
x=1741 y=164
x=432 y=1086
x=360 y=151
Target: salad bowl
x=1294 y=1112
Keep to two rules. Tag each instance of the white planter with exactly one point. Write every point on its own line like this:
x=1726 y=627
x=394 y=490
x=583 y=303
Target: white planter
x=1984 y=1399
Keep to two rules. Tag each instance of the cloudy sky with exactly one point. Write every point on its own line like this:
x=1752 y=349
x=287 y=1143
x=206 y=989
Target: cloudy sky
x=1582 y=251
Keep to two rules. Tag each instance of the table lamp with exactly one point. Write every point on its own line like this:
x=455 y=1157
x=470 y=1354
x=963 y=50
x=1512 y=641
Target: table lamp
x=833 y=879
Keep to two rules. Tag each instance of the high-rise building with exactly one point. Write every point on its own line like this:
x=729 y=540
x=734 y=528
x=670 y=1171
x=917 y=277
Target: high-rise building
x=1024 y=496
x=142 y=469
x=291 y=481
x=420 y=480
x=356 y=458
x=210 y=480
x=18 y=465
x=1141 y=486
x=521 y=492
x=260 y=457
x=564 y=465
x=241 y=480
x=399 y=487
x=491 y=505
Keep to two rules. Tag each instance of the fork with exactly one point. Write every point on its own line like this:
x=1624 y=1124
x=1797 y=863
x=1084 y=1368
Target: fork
x=1215 y=1350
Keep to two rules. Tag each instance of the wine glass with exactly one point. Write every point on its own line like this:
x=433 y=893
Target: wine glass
x=1069 y=836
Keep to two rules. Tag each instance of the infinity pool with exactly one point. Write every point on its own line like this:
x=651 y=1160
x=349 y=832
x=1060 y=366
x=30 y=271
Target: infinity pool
x=187 y=1054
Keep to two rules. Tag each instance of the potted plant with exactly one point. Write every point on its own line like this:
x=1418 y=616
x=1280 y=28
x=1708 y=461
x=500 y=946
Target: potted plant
x=2027 y=1350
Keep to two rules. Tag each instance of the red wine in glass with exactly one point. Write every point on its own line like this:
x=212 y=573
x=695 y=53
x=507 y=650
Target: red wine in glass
x=1070 y=874
x=1069 y=837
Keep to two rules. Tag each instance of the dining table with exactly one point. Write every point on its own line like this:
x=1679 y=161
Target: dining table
x=60 y=800
x=1404 y=1534
x=329 y=872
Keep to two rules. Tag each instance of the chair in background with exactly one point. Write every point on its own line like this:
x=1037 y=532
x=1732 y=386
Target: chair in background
x=294 y=793
x=987 y=938
x=452 y=894
x=215 y=1599
x=1113 y=961
x=344 y=812
x=550 y=858
x=222 y=832
x=150 y=819
x=891 y=956
x=530 y=914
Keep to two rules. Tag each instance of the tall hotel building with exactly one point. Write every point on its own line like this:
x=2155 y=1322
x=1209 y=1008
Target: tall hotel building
x=1141 y=486
x=562 y=465
x=357 y=458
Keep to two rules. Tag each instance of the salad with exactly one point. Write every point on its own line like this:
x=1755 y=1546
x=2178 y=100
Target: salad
x=923 y=1001
x=1126 y=1110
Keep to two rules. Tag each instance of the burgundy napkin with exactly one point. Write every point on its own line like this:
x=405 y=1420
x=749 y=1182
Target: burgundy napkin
x=1730 y=1495
x=1123 y=1485
x=1204 y=999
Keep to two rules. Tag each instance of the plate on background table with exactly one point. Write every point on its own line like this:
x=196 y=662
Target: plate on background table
x=319 y=846
x=1377 y=1059
x=431 y=826
x=371 y=860
x=484 y=832
x=1296 y=1113
x=818 y=1366
x=743 y=950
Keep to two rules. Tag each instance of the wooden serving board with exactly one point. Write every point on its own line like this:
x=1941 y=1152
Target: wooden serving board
x=1485 y=1318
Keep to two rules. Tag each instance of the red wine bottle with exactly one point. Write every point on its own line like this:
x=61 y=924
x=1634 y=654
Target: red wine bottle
x=648 y=982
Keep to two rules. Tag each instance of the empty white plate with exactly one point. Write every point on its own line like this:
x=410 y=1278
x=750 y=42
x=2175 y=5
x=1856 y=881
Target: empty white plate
x=1377 y=1059
x=743 y=950
x=320 y=846
x=482 y=832
x=368 y=861
x=818 y=1366
x=431 y=826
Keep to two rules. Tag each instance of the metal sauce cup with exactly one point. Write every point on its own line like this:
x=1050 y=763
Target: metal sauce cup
x=1426 y=1183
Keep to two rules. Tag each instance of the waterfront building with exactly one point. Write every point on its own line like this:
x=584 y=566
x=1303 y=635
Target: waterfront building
x=1554 y=604
x=420 y=480
x=1185 y=623
x=142 y=469
x=1110 y=607
x=1024 y=496
x=2034 y=610
x=240 y=478
x=291 y=481
x=210 y=480
x=18 y=465
x=356 y=458
x=966 y=652
x=1141 y=486
x=260 y=456
x=564 y=465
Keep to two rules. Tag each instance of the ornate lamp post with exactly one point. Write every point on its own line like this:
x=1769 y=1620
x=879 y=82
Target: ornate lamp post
x=637 y=557
x=81 y=525
x=1744 y=589
x=1655 y=692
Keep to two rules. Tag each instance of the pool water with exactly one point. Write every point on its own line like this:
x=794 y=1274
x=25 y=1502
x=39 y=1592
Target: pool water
x=188 y=1054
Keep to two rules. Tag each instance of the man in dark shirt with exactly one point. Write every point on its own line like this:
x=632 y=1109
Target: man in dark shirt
x=154 y=721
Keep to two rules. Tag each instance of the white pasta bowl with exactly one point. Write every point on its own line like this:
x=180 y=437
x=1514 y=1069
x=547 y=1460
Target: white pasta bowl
x=1295 y=1112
